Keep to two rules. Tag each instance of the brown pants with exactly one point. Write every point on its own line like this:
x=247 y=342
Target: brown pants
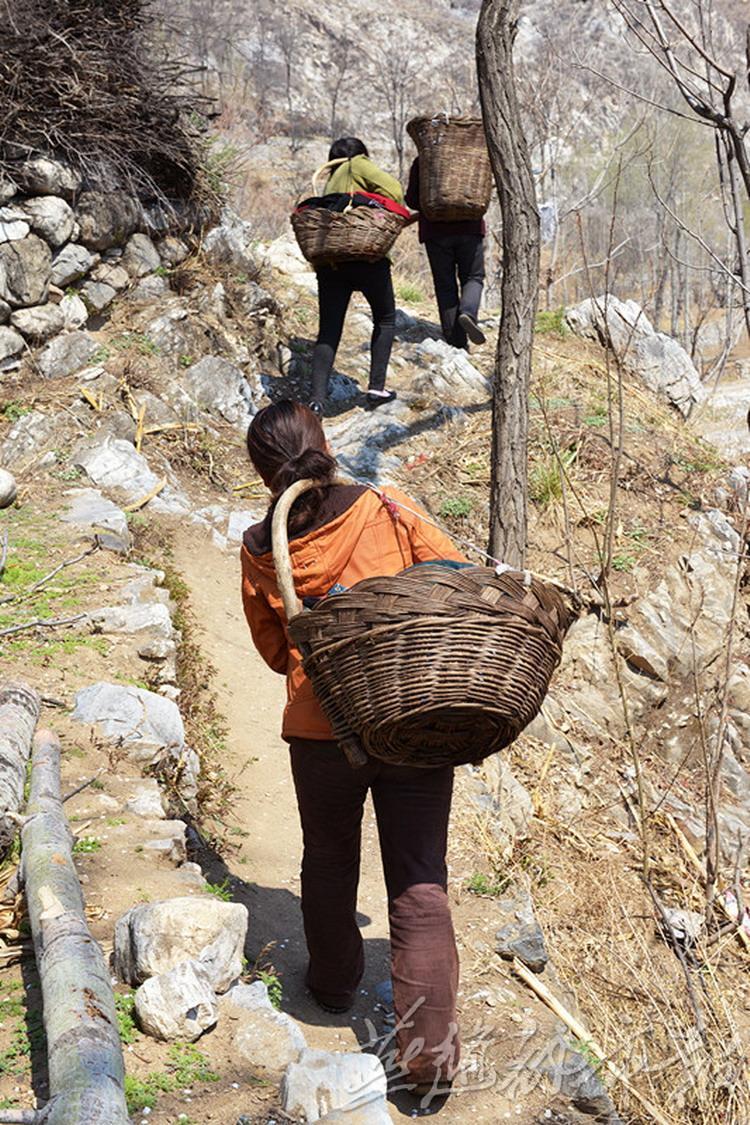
x=412 y=807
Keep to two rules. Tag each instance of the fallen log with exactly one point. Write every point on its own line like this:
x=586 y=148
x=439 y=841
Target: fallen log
x=84 y=1055
x=19 y=712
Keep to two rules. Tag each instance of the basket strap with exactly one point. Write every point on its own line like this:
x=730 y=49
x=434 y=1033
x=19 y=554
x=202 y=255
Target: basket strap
x=329 y=165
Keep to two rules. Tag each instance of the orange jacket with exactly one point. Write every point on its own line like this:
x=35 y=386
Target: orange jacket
x=362 y=542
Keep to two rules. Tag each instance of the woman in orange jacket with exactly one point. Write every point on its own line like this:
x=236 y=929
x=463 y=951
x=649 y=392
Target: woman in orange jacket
x=340 y=534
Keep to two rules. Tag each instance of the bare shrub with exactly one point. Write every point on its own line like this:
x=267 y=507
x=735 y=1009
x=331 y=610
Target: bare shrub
x=90 y=82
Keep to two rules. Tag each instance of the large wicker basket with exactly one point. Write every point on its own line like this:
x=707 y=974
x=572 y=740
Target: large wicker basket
x=455 y=178
x=362 y=233
x=431 y=667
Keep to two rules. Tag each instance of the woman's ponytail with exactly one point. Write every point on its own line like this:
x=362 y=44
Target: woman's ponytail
x=286 y=443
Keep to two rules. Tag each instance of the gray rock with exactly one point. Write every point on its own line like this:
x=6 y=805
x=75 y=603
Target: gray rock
x=97 y=296
x=571 y=1075
x=239 y=522
x=42 y=175
x=172 y=332
x=112 y=275
x=146 y=801
x=140 y=256
x=11 y=342
x=75 y=314
x=8 y=188
x=133 y=619
x=450 y=375
x=13 y=226
x=71 y=264
x=149 y=290
x=495 y=791
x=154 y=937
x=51 y=218
x=141 y=721
x=113 y=463
x=65 y=355
x=118 y=424
x=107 y=219
x=265 y=1040
x=5 y=311
x=172 y=251
x=342 y=388
x=179 y=1004
x=324 y=1081
x=359 y=443
x=285 y=256
x=520 y=934
x=25 y=271
x=157 y=412
x=738 y=479
x=217 y=387
x=657 y=359
x=25 y=439
x=8 y=490
x=39 y=323
x=231 y=243
x=89 y=510
x=191 y=874
x=172 y=845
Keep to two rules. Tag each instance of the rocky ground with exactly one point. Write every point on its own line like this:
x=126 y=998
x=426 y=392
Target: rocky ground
x=124 y=434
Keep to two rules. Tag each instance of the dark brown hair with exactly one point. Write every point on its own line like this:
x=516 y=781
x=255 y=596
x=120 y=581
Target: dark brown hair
x=286 y=443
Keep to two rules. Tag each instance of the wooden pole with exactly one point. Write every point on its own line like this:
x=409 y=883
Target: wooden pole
x=19 y=712
x=86 y=1069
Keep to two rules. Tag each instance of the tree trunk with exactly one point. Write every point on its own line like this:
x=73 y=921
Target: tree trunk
x=19 y=711
x=86 y=1070
x=515 y=185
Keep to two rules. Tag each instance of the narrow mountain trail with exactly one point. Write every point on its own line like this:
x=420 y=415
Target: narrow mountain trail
x=265 y=870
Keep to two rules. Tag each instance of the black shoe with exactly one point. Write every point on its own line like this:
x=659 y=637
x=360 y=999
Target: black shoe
x=316 y=407
x=375 y=399
x=472 y=329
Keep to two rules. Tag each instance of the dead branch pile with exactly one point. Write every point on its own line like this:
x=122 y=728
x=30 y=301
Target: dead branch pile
x=93 y=82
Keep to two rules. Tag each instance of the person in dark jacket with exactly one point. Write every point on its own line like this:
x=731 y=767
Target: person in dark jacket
x=456 y=254
x=352 y=169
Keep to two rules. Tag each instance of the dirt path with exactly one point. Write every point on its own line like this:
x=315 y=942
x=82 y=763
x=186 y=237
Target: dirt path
x=251 y=697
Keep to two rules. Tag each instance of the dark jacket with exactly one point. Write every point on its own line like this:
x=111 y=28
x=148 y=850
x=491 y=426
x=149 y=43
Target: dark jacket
x=429 y=230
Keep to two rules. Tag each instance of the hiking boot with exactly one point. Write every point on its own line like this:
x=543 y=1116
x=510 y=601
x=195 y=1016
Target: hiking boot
x=472 y=329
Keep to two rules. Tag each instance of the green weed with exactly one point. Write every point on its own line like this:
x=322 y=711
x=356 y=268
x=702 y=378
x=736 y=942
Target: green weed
x=273 y=984
x=86 y=845
x=13 y=410
x=487 y=886
x=546 y=477
x=221 y=890
x=135 y=341
x=552 y=322
x=409 y=292
x=125 y=1008
x=185 y=1066
x=623 y=562
x=186 y=361
x=456 y=507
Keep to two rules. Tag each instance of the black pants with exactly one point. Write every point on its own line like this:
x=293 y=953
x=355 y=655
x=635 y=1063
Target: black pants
x=412 y=807
x=456 y=259
x=335 y=288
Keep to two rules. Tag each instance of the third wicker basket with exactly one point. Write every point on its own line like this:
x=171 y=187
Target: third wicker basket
x=455 y=178
x=431 y=667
